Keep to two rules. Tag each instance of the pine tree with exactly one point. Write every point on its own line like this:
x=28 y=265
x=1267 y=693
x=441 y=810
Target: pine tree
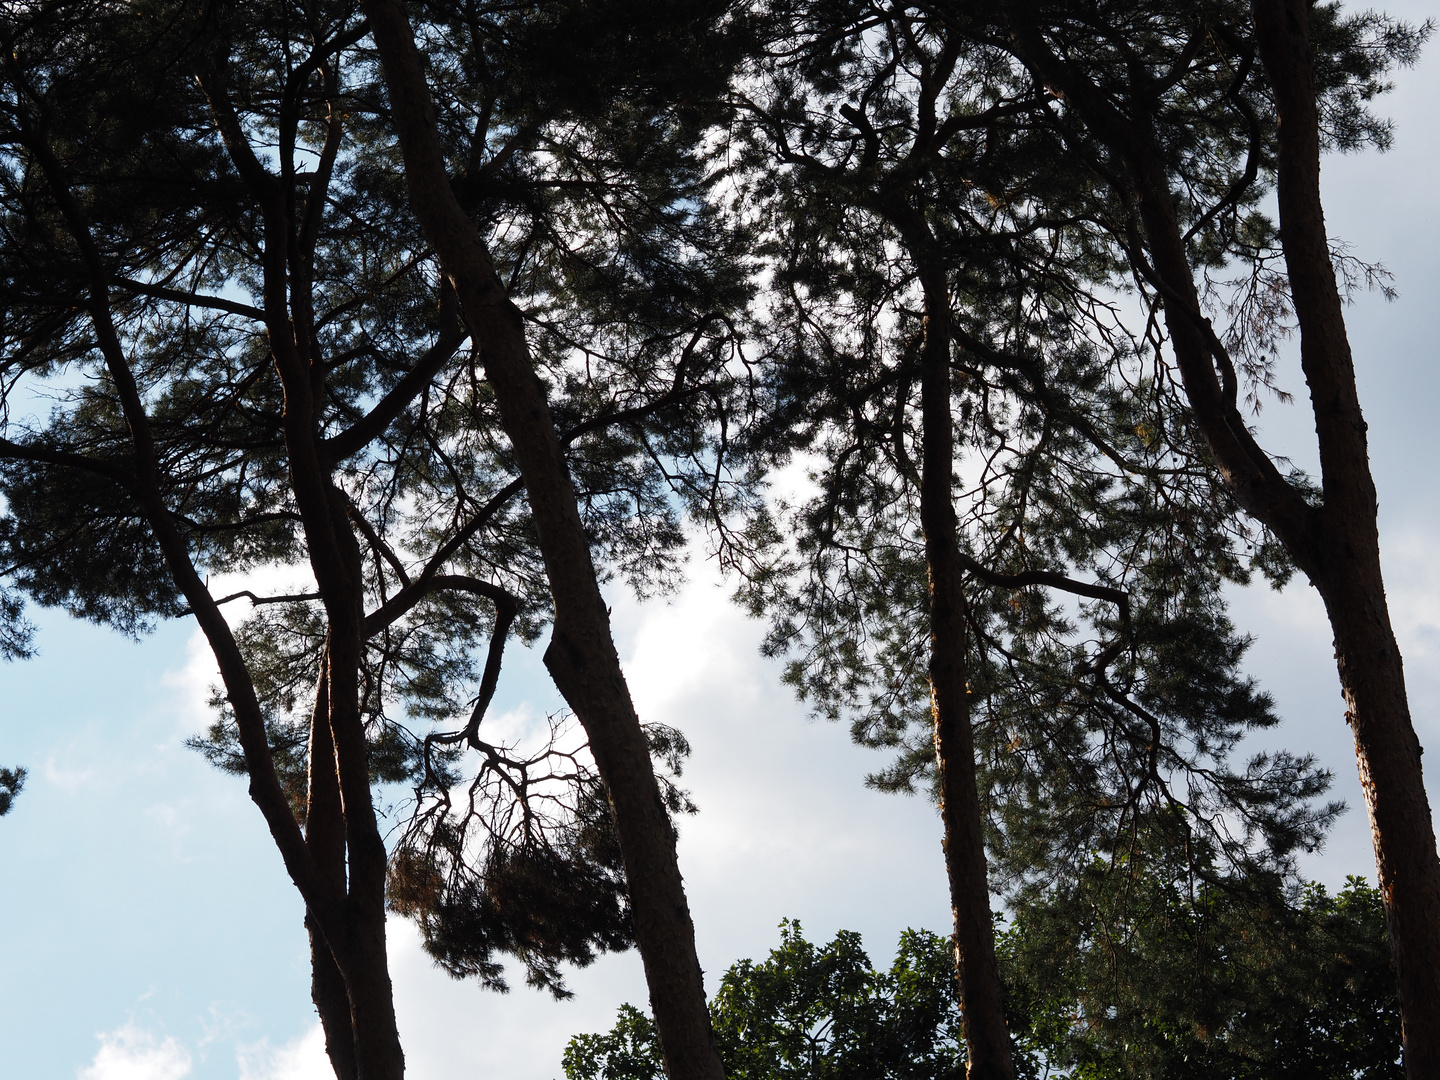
x=1183 y=115
x=11 y=781
x=210 y=263
x=1046 y=640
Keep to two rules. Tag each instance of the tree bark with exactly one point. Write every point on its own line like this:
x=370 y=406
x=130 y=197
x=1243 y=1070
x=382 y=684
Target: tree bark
x=988 y=1051
x=1348 y=575
x=352 y=920
x=363 y=960
x=353 y=925
x=982 y=1007
x=325 y=837
x=581 y=656
x=1336 y=544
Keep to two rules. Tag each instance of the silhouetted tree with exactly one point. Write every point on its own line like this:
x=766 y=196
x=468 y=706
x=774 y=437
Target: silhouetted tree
x=258 y=369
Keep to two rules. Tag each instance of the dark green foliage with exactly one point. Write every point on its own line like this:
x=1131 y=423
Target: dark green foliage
x=825 y=1013
x=11 y=781
x=1098 y=728
x=1233 y=981
x=1210 y=111
x=628 y=1051
x=524 y=860
x=74 y=541
x=571 y=129
x=1207 y=980
x=809 y=1012
x=16 y=633
x=547 y=896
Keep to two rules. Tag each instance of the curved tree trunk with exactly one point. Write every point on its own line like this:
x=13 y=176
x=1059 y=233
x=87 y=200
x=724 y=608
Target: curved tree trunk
x=1336 y=544
x=581 y=656
x=1347 y=571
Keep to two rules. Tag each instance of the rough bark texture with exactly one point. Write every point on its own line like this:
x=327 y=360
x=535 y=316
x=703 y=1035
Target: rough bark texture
x=982 y=1010
x=325 y=837
x=581 y=656
x=348 y=909
x=363 y=960
x=988 y=1050
x=1348 y=573
x=1336 y=544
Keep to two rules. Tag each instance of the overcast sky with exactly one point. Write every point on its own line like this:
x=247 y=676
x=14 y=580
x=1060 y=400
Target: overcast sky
x=148 y=931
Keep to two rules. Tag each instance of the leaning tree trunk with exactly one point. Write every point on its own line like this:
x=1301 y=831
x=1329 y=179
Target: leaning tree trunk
x=352 y=925
x=982 y=1010
x=1347 y=571
x=1337 y=547
x=1336 y=544
x=581 y=656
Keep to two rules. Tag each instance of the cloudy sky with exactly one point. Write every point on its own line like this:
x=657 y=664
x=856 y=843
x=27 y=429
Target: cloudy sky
x=147 y=929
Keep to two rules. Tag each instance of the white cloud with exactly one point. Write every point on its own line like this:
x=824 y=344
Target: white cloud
x=132 y=1053
x=302 y=1058
x=67 y=779
x=190 y=685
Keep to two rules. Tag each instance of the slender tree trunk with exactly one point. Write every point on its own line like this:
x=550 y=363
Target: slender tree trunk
x=356 y=935
x=581 y=656
x=363 y=959
x=325 y=837
x=354 y=953
x=1337 y=547
x=354 y=999
x=1348 y=574
x=332 y=1004
x=982 y=1009
x=1401 y=829
x=353 y=924
x=1335 y=544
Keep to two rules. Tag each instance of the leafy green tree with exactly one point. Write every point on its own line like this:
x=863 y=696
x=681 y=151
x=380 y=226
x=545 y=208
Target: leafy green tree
x=1237 y=983
x=1228 y=981
x=810 y=1012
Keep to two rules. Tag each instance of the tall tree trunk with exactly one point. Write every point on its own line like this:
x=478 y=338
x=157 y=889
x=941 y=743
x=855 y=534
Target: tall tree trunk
x=356 y=935
x=987 y=1038
x=352 y=994
x=1348 y=575
x=1335 y=544
x=352 y=922
x=366 y=976
x=581 y=656
x=348 y=909
x=1337 y=547
x=364 y=961
x=325 y=837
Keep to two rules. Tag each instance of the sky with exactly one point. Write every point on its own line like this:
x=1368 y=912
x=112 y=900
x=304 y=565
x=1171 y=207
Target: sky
x=148 y=931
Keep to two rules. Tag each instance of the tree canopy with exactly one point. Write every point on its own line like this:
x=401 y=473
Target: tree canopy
x=410 y=327
x=1241 y=987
